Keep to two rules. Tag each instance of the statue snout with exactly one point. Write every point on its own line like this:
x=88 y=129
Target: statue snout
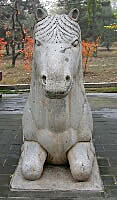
x=56 y=86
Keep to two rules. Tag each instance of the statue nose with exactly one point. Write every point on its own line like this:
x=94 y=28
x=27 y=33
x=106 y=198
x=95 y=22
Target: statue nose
x=66 y=78
x=44 y=79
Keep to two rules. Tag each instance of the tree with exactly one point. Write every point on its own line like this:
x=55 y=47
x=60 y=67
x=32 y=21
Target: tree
x=10 y=15
x=28 y=52
x=100 y=15
x=15 y=20
x=66 y=6
x=89 y=17
x=92 y=8
x=88 y=49
x=14 y=31
x=2 y=47
x=107 y=18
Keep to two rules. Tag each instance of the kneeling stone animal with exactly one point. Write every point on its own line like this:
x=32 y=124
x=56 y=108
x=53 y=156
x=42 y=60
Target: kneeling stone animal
x=57 y=120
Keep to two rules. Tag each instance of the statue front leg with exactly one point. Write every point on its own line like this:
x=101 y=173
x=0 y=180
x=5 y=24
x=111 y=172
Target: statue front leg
x=81 y=157
x=33 y=158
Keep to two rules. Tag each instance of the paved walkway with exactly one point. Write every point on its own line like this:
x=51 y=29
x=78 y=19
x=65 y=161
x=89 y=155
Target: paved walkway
x=104 y=109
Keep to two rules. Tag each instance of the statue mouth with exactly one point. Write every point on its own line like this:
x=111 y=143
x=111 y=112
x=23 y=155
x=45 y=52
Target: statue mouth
x=57 y=90
x=56 y=95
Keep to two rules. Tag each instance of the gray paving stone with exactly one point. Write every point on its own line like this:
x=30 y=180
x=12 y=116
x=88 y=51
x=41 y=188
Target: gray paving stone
x=111 y=191
x=108 y=180
x=78 y=198
x=106 y=171
x=7 y=169
x=4 y=148
x=11 y=160
x=103 y=162
x=113 y=162
x=4 y=179
x=112 y=147
x=4 y=191
x=99 y=147
x=15 y=149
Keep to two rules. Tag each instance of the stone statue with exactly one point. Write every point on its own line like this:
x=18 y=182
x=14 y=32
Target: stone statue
x=57 y=120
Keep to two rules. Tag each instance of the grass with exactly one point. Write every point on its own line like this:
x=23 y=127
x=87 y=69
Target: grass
x=13 y=91
x=88 y=90
x=102 y=90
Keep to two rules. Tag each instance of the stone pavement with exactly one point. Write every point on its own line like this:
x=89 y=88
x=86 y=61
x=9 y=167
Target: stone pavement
x=104 y=109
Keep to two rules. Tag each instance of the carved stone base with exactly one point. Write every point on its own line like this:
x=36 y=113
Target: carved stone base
x=55 y=178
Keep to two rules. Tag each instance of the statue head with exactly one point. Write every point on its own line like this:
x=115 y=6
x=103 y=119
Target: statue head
x=57 y=52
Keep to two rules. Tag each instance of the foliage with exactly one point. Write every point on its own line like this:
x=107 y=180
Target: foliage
x=92 y=5
x=16 y=17
x=88 y=50
x=107 y=16
x=110 y=35
x=28 y=52
x=111 y=27
x=115 y=15
x=94 y=15
x=2 y=47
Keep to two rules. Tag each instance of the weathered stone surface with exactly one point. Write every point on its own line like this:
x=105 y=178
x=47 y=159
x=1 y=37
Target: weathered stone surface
x=105 y=129
x=57 y=120
x=57 y=178
x=32 y=166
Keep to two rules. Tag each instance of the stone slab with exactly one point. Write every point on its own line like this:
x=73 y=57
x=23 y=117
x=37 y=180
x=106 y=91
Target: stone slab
x=55 y=178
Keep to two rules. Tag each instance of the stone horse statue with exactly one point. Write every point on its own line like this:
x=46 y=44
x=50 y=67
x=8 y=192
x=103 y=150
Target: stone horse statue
x=57 y=120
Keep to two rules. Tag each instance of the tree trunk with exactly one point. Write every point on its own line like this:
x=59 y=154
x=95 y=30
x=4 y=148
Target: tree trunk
x=13 y=54
x=13 y=38
x=14 y=20
x=7 y=49
x=18 y=46
x=93 y=20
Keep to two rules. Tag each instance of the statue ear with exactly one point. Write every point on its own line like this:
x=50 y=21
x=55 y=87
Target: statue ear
x=41 y=14
x=74 y=14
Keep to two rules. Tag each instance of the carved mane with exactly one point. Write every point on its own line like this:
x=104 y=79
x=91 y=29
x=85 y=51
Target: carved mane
x=57 y=29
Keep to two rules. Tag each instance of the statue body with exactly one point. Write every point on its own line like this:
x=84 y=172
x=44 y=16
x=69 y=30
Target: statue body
x=57 y=120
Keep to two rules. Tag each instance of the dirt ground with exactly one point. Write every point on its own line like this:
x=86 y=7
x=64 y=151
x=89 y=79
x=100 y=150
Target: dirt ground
x=102 y=68
x=16 y=75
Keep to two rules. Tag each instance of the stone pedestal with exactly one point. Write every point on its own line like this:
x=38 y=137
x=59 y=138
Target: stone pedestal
x=57 y=178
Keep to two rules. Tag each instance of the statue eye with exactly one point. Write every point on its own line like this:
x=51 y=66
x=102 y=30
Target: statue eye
x=37 y=42
x=75 y=43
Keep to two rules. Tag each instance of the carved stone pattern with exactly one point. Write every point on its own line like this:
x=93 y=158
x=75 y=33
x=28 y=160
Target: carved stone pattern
x=57 y=29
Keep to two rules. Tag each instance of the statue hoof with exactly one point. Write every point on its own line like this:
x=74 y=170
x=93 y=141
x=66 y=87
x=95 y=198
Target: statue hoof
x=33 y=158
x=81 y=158
x=31 y=171
x=81 y=171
